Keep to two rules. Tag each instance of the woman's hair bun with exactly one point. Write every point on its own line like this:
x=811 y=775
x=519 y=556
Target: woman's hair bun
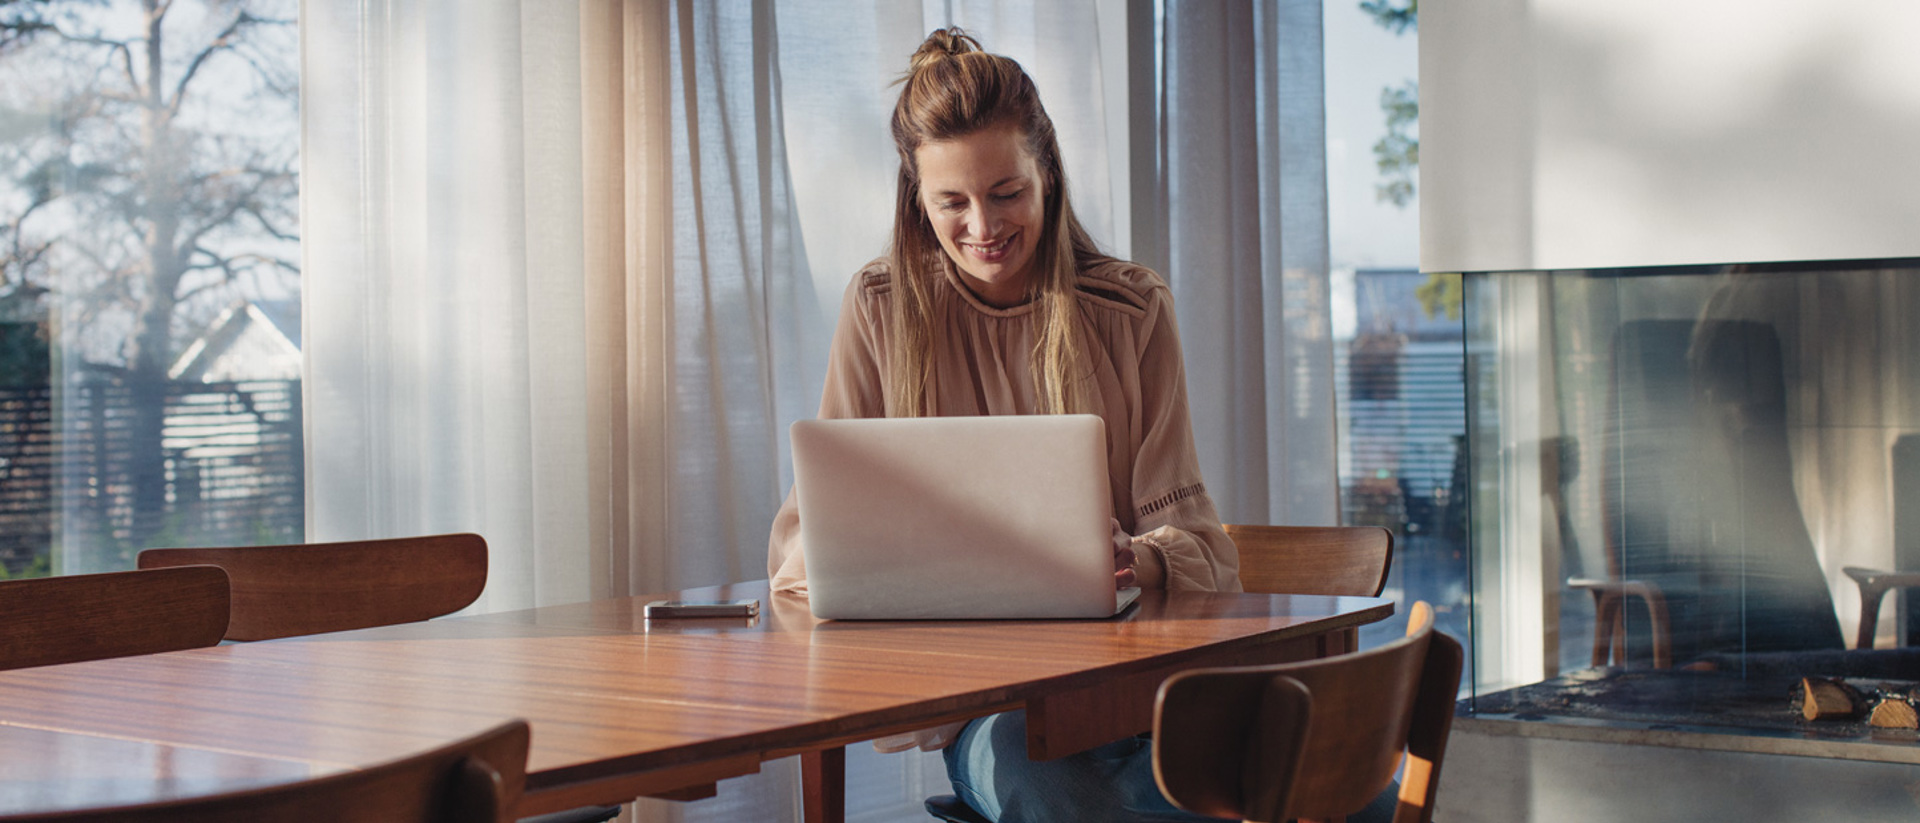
x=941 y=44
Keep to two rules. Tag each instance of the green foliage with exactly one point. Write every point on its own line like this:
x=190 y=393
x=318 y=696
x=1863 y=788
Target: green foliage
x=1397 y=155
x=269 y=534
x=1392 y=16
x=1441 y=292
x=25 y=358
x=40 y=566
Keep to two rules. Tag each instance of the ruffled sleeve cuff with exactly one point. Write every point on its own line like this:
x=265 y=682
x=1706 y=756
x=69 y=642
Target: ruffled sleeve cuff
x=1184 y=558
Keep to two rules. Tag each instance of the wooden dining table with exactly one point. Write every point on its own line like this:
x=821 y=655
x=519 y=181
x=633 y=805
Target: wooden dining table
x=621 y=706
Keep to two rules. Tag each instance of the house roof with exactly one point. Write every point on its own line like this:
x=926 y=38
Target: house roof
x=250 y=340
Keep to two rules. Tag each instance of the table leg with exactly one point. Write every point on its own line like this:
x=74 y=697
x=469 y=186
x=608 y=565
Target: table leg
x=823 y=781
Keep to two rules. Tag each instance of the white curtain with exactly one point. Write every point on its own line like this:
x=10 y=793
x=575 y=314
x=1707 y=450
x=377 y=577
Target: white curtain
x=570 y=267
x=554 y=287
x=441 y=223
x=1241 y=125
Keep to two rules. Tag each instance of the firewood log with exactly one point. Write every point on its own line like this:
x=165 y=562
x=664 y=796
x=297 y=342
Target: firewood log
x=1894 y=712
x=1824 y=698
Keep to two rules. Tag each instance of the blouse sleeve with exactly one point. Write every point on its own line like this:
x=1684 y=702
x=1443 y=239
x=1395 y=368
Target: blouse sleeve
x=853 y=389
x=1173 y=516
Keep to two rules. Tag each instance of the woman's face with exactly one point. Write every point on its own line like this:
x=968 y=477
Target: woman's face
x=985 y=198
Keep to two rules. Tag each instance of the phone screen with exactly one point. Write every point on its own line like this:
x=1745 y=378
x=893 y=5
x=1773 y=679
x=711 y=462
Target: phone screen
x=701 y=608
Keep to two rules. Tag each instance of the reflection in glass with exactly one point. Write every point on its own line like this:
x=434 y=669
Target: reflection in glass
x=1712 y=446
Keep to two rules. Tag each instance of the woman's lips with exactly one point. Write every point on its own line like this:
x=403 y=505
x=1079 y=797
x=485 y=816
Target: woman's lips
x=991 y=252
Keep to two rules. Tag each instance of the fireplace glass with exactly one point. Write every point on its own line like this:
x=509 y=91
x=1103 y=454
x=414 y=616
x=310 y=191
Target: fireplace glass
x=1681 y=477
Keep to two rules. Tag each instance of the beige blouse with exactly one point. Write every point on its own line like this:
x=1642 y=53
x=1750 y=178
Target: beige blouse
x=982 y=367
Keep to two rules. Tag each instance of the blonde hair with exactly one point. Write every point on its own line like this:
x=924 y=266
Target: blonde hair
x=953 y=89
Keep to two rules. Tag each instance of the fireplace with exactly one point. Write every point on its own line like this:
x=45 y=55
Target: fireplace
x=1672 y=468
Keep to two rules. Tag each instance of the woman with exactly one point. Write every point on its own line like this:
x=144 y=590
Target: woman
x=994 y=300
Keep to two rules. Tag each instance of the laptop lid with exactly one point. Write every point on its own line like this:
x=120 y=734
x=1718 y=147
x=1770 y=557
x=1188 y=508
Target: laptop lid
x=956 y=517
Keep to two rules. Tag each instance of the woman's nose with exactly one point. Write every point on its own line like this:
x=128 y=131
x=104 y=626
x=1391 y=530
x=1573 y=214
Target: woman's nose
x=982 y=221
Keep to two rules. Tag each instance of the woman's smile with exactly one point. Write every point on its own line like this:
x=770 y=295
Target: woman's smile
x=990 y=252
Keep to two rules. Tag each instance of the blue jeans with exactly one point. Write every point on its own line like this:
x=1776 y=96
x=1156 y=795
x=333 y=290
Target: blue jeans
x=1110 y=784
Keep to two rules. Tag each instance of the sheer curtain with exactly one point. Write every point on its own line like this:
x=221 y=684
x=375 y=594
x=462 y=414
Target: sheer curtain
x=555 y=291
x=441 y=216
x=1240 y=126
x=570 y=268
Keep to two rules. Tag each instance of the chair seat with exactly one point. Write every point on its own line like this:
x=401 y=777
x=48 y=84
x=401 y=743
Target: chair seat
x=953 y=810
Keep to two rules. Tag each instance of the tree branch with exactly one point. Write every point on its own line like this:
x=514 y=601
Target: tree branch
x=268 y=226
x=220 y=43
x=115 y=48
x=226 y=279
x=223 y=215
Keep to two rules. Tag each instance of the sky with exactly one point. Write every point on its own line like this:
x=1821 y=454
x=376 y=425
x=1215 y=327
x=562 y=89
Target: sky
x=1363 y=58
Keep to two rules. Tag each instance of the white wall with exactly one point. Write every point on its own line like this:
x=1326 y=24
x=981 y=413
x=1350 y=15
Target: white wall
x=1577 y=134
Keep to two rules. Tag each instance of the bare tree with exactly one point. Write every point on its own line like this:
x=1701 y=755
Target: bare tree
x=148 y=161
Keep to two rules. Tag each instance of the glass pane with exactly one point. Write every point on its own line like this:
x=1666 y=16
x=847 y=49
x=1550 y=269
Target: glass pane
x=1402 y=416
x=149 y=279
x=1685 y=467
x=1398 y=338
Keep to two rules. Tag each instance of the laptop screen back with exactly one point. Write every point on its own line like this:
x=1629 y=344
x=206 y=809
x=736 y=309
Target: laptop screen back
x=955 y=517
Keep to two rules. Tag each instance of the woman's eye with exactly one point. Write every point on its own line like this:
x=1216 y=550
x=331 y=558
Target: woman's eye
x=1009 y=196
x=953 y=206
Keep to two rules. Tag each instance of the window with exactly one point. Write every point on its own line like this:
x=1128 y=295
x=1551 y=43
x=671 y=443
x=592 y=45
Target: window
x=1399 y=336
x=149 y=279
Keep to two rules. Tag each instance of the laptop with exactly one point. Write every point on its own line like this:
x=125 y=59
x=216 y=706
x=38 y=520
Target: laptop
x=1005 y=517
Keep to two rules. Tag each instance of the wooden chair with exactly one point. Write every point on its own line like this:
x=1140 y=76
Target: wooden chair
x=49 y=620
x=476 y=780
x=1874 y=585
x=1316 y=740
x=314 y=588
x=1347 y=561
x=1698 y=507
x=1335 y=560
x=302 y=589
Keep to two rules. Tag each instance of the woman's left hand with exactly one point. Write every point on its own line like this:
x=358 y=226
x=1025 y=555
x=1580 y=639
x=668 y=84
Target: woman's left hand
x=1123 y=558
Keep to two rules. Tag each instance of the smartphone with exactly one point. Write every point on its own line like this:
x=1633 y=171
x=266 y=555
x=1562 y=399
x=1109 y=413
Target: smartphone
x=701 y=608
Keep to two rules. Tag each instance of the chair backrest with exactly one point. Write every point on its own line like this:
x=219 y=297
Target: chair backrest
x=1311 y=740
x=49 y=620
x=1338 y=560
x=284 y=591
x=1697 y=490
x=476 y=780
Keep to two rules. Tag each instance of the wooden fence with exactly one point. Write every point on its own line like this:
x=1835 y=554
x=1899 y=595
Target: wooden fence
x=232 y=467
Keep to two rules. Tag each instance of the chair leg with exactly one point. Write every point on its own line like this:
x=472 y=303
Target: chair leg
x=1870 y=597
x=1606 y=611
x=1657 y=625
x=1620 y=633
